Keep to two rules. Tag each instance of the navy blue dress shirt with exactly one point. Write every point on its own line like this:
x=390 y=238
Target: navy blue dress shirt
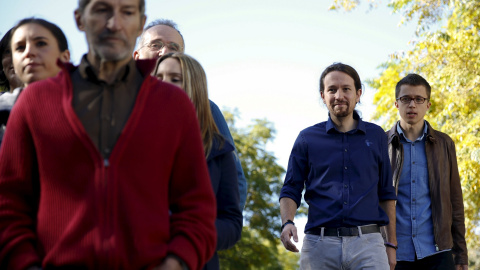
x=345 y=175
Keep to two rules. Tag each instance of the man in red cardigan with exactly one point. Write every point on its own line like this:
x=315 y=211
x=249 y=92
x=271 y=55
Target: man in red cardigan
x=102 y=167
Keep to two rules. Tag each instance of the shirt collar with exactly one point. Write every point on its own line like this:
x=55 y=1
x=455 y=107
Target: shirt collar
x=360 y=127
x=402 y=134
x=88 y=72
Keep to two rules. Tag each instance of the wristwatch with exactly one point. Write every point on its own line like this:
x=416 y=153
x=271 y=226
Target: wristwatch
x=285 y=224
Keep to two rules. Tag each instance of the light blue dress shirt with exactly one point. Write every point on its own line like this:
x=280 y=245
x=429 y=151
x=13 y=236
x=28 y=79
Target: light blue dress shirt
x=414 y=213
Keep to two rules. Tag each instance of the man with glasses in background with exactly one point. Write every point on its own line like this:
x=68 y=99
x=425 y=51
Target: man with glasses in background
x=161 y=37
x=430 y=215
x=158 y=38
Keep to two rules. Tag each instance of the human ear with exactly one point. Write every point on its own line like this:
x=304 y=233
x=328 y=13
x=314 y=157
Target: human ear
x=78 y=19
x=65 y=56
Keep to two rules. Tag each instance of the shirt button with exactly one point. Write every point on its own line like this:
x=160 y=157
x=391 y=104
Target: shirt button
x=345 y=186
x=413 y=199
x=413 y=218
x=345 y=167
x=345 y=203
x=413 y=162
x=413 y=181
x=346 y=150
x=413 y=235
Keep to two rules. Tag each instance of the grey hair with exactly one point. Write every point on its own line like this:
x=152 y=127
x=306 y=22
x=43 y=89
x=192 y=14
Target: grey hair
x=166 y=22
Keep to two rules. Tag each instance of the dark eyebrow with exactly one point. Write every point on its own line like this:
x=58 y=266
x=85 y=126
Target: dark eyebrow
x=39 y=38
x=100 y=3
x=413 y=96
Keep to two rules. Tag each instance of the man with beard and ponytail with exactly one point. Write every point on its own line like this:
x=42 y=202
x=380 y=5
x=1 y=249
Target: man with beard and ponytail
x=102 y=166
x=343 y=165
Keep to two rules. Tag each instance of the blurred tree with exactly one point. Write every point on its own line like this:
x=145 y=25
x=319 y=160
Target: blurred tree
x=446 y=52
x=260 y=246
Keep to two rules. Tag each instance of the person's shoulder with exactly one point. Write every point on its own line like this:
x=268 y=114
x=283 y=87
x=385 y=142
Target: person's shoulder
x=314 y=128
x=220 y=147
x=312 y=132
x=439 y=136
x=213 y=104
x=369 y=126
x=215 y=110
x=47 y=87
x=168 y=97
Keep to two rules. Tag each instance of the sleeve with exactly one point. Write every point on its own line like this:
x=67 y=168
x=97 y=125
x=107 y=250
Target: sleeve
x=18 y=193
x=229 y=217
x=191 y=199
x=297 y=171
x=458 y=215
x=386 y=191
x=223 y=129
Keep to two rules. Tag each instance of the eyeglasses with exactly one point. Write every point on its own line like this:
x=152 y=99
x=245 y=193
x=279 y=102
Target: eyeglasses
x=157 y=45
x=407 y=100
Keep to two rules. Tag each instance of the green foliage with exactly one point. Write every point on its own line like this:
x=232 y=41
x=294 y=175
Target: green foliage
x=260 y=246
x=448 y=57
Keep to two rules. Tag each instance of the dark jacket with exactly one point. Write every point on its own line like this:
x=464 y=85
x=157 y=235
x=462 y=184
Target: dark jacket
x=445 y=188
x=223 y=174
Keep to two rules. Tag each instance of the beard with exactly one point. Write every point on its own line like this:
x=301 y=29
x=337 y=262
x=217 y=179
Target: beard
x=111 y=51
x=343 y=111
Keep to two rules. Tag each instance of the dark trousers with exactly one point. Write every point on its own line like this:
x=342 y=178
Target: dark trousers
x=440 y=261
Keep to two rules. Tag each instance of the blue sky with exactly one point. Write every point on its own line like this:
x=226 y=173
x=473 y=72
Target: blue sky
x=263 y=57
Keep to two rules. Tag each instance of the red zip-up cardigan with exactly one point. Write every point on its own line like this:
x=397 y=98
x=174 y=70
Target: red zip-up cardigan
x=62 y=204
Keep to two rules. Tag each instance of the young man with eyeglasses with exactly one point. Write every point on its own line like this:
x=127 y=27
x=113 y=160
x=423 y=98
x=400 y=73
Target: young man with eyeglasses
x=430 y=216
x=161 y=37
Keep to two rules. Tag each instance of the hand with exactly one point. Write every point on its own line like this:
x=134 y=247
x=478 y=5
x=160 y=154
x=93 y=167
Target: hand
x=392 y=257
x=461 y=267
x=289 y=231
x=169 y=263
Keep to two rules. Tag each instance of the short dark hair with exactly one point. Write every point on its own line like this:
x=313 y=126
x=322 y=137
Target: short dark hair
x=82 y=4
x=53 y=28
x=414 y=80
x=350 y=71
x=4 y=48
x=166 y=22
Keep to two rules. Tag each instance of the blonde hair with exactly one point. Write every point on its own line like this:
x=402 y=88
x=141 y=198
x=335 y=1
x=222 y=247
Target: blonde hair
x=195 y=85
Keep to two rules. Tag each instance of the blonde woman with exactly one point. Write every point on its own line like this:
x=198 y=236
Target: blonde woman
x=185 y=72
